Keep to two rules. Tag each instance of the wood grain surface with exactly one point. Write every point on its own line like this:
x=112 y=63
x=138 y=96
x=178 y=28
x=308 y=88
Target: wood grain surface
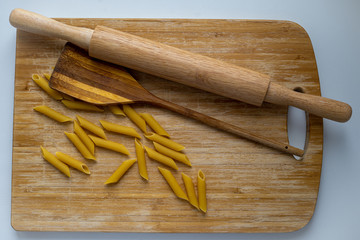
x=250 y=187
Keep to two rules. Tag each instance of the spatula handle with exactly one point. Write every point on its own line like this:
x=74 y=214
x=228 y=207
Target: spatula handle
x=38 y=24
x=284 y=147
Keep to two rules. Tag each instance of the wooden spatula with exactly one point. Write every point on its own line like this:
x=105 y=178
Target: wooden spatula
x=97 y=82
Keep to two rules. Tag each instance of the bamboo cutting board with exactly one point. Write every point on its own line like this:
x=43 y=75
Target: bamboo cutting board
x=250 y=188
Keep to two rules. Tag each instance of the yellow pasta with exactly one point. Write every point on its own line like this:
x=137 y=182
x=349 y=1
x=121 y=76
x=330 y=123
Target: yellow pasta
x=80 y=146
x=174 y=185
x=190 y=190
x=47 y=76
x=51 y=113
x=201 y=185
x=114 y=146
x=160 y=158
x=44 y=85
x=84 y=137
x=154 y=125
x=135 y=117
x=140 y=155
x=113 y=127
x=164 y=141
x=72 y=162
x=91 y=127
x=79 y=105
x=178 y=156
x=116 y=110
x=62 y=167
x=115 y=177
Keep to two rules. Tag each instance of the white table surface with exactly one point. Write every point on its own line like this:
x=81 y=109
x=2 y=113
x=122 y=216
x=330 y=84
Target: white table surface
x=334 y=28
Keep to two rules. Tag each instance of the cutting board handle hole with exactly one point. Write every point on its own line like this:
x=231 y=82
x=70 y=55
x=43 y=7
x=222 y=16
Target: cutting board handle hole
x=298 y=127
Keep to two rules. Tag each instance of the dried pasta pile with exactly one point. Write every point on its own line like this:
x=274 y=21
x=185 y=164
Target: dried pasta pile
x=86 y=136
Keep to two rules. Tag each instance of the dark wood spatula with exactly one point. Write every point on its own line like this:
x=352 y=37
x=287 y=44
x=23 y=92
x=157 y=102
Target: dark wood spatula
x=97 y=82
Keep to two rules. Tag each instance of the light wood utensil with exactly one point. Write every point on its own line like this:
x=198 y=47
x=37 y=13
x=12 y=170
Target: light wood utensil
x=98 y=82
x=181 y=66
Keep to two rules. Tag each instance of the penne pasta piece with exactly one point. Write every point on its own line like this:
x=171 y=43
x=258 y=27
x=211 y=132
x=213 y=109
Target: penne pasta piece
x=113 y=127
x=84 y=137
x=79 y=105
x=114 y=146
x=80 y=146
x=160 y=158
x=190 y=190
x=178 y=156
x=164 y=141
x=72 y=162
x=44 y=85
x=51 y=113
x=116 y=110
x=201 y=186
x=91 y=127
x=174 y=185
x=115 y=177
x=47 y=76
x=154 y=125
x=135 y=117
x=140 y=155
x=62 y=167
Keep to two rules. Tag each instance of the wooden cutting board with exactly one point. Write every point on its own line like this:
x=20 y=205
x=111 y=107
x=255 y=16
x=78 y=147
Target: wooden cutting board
x=250 y=188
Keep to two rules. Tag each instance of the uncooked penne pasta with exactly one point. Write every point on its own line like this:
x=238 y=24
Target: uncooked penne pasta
x=154 y=125
x=116 y=110
x=62 y=167
x=51 y=113
x=44 y=85
x=91 y=127
x=47 y=76
x=140 y=155
x=79 y=105
x=115 y=177
x=160 y=158
x=114 y=146
x=174 y=185
x=80 y=146
x=135 y=117
x=190 y=190
x=164 y=141
x=84 y=137
x=113 y=127
x=178 y=156
x=72 y=162
x=201 y=186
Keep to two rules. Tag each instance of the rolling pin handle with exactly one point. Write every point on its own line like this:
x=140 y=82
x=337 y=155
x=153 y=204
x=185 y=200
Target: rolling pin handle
x=317 y=105
x=38 y=24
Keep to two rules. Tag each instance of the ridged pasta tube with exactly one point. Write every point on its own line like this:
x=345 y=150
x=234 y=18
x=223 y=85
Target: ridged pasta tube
x=174 y=185
x=164 y=141
x=51 y=113
x=62 y=167
x=124 y=167
x=72 y=162
x=117 y=128
x=140 y=155
x=161 y=158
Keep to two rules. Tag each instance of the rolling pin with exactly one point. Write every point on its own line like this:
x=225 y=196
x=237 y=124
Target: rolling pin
x=181 y=66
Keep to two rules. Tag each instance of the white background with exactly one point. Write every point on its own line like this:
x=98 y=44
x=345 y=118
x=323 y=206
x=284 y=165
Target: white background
x=334 y=28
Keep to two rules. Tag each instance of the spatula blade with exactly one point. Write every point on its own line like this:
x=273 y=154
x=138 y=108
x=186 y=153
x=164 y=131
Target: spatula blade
x=92 y=80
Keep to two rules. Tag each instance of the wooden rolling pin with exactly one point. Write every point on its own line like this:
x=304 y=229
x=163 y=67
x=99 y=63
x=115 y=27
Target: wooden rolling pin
x=180 y=66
